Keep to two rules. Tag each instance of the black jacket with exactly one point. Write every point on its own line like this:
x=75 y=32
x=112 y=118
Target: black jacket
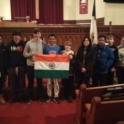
x=14 y=54
x=89 y=60
x=115 y=52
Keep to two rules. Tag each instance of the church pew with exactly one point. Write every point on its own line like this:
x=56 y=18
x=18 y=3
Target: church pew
x=104 y=112
x=120 y=122
x=85 y=95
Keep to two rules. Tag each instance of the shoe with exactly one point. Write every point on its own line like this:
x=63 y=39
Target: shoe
x=41 y=100
x=21 y=100
x=70 y=100
x=56 y=100
x=28 y=101
x=48 y=99
x=2 y=100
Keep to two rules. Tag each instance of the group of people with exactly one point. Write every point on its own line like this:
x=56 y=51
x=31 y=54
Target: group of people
x=100 y=62
x=17 y=59
x=97 y=62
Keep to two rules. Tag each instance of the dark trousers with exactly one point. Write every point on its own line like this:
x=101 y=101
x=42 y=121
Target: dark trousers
x=99 y=79
x=17 y=82
x=68 y=85
x=110 y=78
x=83 y=78
x=2 y=81
x=120 y=74
x=30 y=76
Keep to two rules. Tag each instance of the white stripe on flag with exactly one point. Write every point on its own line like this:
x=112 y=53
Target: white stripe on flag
x=51 y=65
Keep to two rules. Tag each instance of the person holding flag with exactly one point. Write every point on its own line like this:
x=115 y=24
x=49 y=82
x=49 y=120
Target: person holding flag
x=33 y=47
x=52 y=49
x=68 y=83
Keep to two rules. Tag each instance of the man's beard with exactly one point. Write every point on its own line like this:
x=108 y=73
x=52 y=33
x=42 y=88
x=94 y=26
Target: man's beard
x=101 y=45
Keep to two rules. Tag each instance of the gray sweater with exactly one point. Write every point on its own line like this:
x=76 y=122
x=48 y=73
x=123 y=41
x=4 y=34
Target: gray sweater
x=35 y=47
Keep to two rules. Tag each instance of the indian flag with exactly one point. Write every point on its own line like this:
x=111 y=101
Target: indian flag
x=51 y=66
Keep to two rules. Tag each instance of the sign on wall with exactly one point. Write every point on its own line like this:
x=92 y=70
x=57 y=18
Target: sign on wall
x=83 y=6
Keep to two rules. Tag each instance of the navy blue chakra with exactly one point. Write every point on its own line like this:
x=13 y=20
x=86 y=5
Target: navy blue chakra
x=52 y=65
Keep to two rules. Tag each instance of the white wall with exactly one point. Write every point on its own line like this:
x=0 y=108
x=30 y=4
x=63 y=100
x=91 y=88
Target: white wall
x=114 y=13
x=5 y=9
x=84 y=16
x=111 y=12
x=100 y=8
x=71 y=10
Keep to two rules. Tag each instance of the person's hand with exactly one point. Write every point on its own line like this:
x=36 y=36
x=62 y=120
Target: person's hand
x=71 y=57
x=83 y=70
x=33 y=53
x=16 y=70
x=113 y=70
x=64 y=53
x=6 y=78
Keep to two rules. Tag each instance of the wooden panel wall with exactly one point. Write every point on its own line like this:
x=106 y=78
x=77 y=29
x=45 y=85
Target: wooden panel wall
x=74 y=33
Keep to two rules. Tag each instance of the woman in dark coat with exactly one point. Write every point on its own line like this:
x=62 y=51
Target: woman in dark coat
x=85 y=61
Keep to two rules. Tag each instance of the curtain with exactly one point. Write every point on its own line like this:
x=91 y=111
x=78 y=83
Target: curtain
x=22 y=8
x=59 y=11
x=31 y=9
x=51 y=11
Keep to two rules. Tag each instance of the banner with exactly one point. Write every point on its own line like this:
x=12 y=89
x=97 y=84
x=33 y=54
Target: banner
x=83 y=6
x=51 y=66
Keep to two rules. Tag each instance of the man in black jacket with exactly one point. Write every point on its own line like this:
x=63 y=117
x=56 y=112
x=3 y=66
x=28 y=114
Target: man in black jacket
x=2 y=70
x=112 y=68
x=16 y=67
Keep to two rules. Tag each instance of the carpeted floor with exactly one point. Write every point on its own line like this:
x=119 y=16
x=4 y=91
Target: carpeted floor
x=36 y=113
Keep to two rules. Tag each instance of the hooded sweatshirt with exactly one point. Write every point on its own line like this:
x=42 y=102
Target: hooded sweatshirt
x=33 y=46
x=14 y=54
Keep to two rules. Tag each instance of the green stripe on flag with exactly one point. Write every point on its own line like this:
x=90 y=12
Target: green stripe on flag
x=51 y=74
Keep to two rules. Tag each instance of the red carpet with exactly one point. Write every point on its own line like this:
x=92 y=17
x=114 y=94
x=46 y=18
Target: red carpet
x=36 y=113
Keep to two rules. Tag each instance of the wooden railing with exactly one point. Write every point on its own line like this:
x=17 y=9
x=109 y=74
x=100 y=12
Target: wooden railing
x=64 y=32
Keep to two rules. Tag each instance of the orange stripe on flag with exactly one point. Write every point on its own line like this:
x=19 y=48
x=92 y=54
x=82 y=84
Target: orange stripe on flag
x=52 y=58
